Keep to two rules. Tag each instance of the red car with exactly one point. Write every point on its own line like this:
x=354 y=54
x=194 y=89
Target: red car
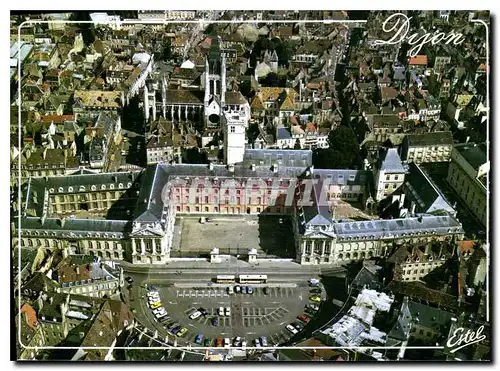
x=304 y=319
x=219 y=342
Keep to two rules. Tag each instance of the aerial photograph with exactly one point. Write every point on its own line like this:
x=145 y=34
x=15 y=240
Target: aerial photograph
x=248 y=186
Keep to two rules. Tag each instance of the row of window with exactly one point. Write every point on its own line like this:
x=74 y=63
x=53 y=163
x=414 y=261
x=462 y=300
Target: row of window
x=226 y=210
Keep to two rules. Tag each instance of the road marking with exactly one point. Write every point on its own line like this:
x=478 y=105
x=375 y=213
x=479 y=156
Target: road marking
x=282 y=323
x=190 y=324
x=172 y=302
x=275 y=302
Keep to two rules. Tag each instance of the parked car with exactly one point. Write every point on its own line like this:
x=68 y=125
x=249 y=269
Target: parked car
x=208 y=342
x=304 y=319
x=298 y=326
x=230 y=290
x=244 y=290
x=153 y=294
x=257 y=343
x=195 y=315
x=237 y=341
x=215 y=321
x=263 y=341
x=312 y=307
x=129 y=279
x=244 y=344
x=219 y=341
x=203 y=311
x=249 y=290
x=292 y=329
x=313 y=282
x=155 y=305
x=227 y=342
x=315 y=299
x=176 y=330
x=310 y=312
x=172 y=325
x=221 y=311
x=237 y=289
x=164 y=319
x=159 y=310
x=266 y=291
x=198 y=339
x=228 y=311
x=182 y=332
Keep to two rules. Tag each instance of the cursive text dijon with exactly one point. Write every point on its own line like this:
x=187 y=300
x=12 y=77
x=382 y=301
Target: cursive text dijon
x=400 y=24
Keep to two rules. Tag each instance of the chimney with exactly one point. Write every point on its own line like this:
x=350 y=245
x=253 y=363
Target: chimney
x=77 y=269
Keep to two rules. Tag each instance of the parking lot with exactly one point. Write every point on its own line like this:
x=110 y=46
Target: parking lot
x=252 y=315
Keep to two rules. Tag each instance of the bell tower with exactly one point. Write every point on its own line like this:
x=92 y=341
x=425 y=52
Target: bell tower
x=215 y=83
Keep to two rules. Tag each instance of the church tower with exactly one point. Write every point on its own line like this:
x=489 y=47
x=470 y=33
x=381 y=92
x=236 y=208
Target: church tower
x=228 y=111
x=215 y=84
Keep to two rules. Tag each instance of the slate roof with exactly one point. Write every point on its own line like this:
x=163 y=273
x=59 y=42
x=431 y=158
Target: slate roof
x=283 y=133
x=391 y=162
x=283 y=158
x=391 y=228
x=195 y=97
x=430 y=139
x=422 y=190
x=235 y=97
x=474 y=154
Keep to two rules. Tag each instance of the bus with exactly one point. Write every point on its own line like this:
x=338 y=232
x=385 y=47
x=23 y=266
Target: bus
x=225 y=279
x=252 y=278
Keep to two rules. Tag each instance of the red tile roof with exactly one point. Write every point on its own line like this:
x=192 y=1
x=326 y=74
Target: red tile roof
x=57 y=119
x=419 y=60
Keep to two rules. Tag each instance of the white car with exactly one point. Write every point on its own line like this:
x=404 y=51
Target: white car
x=228 y=311
x=292 y=329
x=230 y=290
x=153 y=293
x=244 y=344
x=195 y=315
x=159 y=310
x=221 y=311
x=227 y=343
x=237 y=341
x=257 y=343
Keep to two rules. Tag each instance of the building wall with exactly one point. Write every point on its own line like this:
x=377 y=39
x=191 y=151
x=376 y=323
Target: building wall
x=386 y=183
x=430 y=153
x=470 y=190
x=312 y=250
x=415 y=271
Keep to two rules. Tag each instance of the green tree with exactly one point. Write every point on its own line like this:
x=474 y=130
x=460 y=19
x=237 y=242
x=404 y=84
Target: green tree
x=343 y=152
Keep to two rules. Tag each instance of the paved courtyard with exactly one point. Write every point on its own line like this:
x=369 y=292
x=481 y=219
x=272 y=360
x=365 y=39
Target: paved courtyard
x=233 y=236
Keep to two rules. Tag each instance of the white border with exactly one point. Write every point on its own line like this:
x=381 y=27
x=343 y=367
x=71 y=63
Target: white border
x=201 y=21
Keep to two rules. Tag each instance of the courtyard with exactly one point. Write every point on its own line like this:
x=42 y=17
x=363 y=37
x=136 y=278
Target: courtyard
x=270 y=235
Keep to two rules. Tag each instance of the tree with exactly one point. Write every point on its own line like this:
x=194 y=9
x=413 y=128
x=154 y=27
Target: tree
x=343 y=152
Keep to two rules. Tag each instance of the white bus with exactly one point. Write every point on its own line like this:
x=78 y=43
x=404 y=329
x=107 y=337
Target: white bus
x=225 y=279
x=253 y=278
